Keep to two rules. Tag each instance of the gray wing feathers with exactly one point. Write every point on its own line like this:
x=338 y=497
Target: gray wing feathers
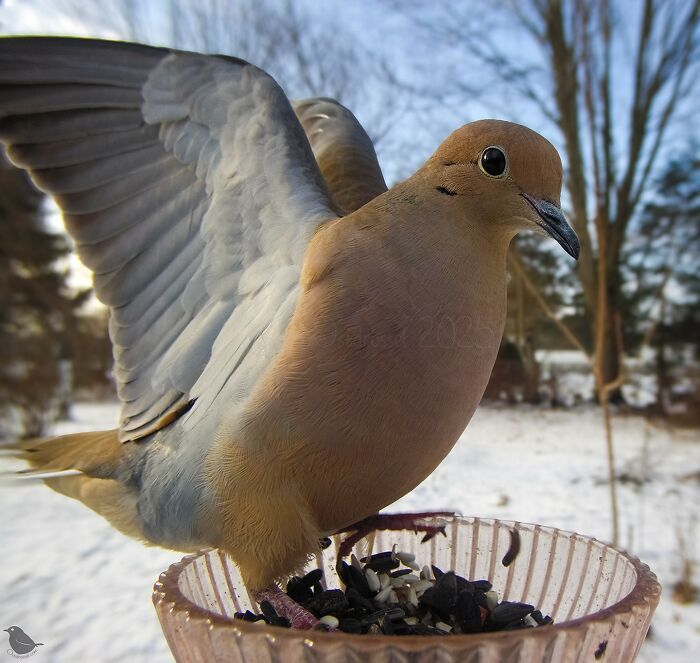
x=191 y=192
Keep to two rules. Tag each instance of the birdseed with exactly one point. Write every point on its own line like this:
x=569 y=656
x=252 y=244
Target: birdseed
x=384 y=595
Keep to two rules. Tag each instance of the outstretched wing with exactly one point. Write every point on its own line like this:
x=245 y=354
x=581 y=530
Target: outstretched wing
x=343 y=150
x=190 y=191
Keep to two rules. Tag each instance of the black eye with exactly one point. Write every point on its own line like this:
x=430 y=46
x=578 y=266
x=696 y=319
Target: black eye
x=493 y=161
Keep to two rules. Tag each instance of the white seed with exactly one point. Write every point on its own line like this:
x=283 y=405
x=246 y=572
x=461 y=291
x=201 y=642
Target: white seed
x=410 y=578
x=412 y=565
x=384 y=594
x=422 y=585
x=329 y=620
x=443 y=627
x=355 y=562
x=411 y=621
x=412 y=596
x=530 y=620
x=393 y=597
x=397 y=582
x=384 y=580
x=406 y=557
x=491 y=599
x=425 y=573
x=372 y=580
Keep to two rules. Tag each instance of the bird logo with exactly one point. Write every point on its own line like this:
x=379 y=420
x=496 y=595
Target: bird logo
x=21 y=644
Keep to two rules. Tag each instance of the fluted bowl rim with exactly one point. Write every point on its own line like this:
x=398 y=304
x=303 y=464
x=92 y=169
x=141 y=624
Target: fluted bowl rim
x=645 y=593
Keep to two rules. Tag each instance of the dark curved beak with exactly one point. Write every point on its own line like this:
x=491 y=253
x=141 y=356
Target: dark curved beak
x=553 y=221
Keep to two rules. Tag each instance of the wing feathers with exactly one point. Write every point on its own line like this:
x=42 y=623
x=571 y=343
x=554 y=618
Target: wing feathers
x=143 y=162
x=51 y=127
x=177 y=173
x=119 y=287
x=159 y=205
x=153 y=180
x=18 y=99
x=71 y=152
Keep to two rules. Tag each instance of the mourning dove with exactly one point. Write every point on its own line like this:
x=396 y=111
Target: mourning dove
x=295 y=346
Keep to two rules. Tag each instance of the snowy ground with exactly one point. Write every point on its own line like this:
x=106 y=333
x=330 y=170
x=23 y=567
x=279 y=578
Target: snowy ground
x=83 y=590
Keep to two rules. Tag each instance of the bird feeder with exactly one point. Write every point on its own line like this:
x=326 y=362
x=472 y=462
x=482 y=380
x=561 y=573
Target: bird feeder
x=600 y=598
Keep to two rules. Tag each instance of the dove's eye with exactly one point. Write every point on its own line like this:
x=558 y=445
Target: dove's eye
x=493 y=162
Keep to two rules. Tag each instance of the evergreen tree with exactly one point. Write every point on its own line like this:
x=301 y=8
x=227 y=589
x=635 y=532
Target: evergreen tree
x=38 y=310
x=663 y=274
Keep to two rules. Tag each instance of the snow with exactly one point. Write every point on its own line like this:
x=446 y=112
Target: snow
x=83 y=589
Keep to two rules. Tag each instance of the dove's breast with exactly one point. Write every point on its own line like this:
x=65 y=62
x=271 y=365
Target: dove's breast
x=385 y=360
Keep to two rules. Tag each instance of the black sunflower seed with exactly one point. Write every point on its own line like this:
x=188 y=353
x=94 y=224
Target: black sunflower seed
x=482 y=585
x=467 y=613
x=361 y=605
x=463 y=585
x=271 y=616
x=436 y=572
x=424 y=629
x=381 y=562
x=330 y=602
x=510 y=611
x=353 y=577
x=350 y=625
x=395 y=614
x=249 y=616
x=442 y=596
x=537 y=616
x=400 y=572
x=375 y=617
x=400 y=628
x=300 y=588
x=517 y=624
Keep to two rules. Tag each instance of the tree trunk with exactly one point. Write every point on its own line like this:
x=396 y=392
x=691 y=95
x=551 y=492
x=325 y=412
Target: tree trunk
x=531 y=387
x=612 y=350
x=662 y=377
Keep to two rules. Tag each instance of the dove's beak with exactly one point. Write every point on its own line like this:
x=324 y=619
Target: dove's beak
x=553 y=222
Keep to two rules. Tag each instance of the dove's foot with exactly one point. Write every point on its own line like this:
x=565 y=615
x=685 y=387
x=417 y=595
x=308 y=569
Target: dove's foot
x=286 y=607
x=418 y=522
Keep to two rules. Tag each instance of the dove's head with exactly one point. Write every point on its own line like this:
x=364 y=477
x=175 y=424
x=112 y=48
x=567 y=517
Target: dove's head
x=504 y=175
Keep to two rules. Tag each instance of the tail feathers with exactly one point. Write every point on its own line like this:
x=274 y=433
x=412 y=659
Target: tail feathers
x=81 y=466
x=98 y=453
x=41 y=475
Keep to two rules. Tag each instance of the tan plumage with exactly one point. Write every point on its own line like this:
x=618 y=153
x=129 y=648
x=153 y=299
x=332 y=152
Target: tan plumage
x=343 y=361
x=96 y=455
x=343 y=151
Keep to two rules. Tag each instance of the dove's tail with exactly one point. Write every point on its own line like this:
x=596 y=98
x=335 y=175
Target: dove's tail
x=82 y=466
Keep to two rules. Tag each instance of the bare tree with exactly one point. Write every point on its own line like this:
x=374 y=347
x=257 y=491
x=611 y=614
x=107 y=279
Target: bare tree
x=307 y=53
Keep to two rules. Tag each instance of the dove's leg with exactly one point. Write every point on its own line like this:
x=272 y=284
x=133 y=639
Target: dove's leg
x=286 y=607
x=418 y=522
